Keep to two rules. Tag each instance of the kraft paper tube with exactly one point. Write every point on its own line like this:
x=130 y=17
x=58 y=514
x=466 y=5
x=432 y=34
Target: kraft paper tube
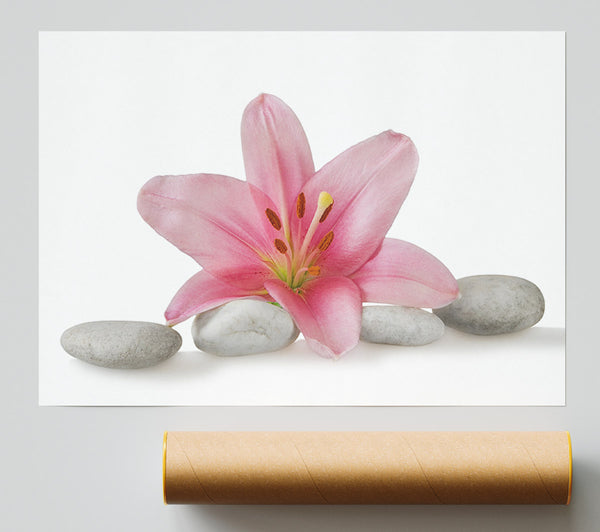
x=367 y=467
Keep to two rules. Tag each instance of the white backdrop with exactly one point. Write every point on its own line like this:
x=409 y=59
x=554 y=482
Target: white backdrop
x=485 y=110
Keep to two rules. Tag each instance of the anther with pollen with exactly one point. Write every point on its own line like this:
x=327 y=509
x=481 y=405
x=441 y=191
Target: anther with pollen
x=274 y=219
x=301 y=205
x=280 y=245
x=326 y=213
x=314 y=270
x=326 y=241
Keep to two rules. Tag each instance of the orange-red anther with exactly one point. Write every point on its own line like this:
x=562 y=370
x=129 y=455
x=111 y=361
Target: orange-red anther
x=325 y=213
x=274 y=219
x=314 y=270
x=326 y=241
x=280 y=245
x=301 y=205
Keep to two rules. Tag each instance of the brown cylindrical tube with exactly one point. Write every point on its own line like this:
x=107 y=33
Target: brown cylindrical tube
x=367 y=467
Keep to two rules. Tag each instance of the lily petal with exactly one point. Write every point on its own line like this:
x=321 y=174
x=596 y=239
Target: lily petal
x=214 y=219
x=368 y=184
x=203 y=292
x=328 y=312
x=276 y=153
x=404 y=274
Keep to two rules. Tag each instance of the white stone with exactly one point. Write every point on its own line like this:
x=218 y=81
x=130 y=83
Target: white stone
x=400 y=326
x=244 y=327
x=494 y=304
x=121 y=344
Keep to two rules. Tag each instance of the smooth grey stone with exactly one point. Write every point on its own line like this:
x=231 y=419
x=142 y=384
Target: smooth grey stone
x=121 y=344
x=244 y=327
x=400 y=326
x=494 y=304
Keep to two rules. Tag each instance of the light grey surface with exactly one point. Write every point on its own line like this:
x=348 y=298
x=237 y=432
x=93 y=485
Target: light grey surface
x=243 y=327
x=494 y=304
x=400 y=326
x=121 y=344
x=97 y=469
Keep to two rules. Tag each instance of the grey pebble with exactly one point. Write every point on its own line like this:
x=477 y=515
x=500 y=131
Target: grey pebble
x=121 y=344
x=494 y=304
x=400 y=326
x=244 y=327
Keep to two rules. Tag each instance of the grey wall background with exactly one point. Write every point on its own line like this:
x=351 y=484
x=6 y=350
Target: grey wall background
x=98 y=469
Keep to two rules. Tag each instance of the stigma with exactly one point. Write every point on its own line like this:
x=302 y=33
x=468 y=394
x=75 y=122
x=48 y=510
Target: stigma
x=325 y=200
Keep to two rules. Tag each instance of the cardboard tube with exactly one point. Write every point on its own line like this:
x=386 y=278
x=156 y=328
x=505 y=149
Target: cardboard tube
x=367 y=467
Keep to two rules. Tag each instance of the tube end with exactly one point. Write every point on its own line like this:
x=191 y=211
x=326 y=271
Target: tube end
x=570 y=467
x=164 y=467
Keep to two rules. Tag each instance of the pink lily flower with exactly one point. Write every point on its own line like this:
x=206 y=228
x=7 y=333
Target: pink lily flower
x=311 y=241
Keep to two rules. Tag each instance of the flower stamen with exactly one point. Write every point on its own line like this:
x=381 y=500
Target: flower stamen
x=315 y=271
x=273 y=218
x=280 y=245
x=326 y=241
x=326 y=213
x=300 y=205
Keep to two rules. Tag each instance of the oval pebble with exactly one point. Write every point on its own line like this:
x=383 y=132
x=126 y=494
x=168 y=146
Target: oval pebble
x=121 y=344
x=243 y=327
x=400 y=326
x=494 y=304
